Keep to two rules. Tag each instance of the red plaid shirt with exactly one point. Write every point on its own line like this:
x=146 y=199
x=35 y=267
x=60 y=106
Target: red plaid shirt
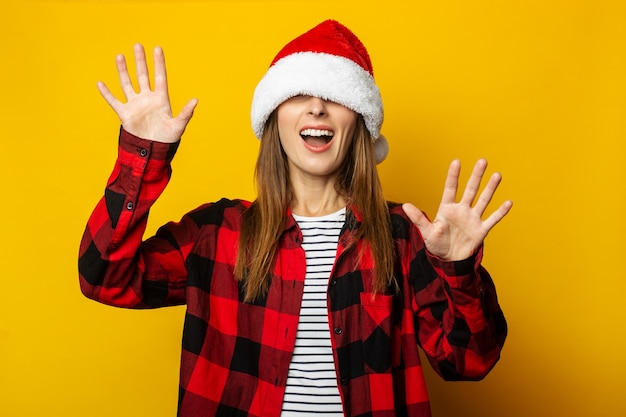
x=235 y=355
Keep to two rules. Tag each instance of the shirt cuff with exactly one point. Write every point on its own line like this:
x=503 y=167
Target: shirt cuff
x=134 y=146
x=458 y=274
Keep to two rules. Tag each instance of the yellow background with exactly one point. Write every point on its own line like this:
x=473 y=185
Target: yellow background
x=538 y=87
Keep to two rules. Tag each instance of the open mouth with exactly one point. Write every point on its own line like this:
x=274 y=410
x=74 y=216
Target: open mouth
x=317 y=137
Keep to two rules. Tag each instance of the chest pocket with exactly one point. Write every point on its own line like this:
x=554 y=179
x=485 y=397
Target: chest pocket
x=376 y=332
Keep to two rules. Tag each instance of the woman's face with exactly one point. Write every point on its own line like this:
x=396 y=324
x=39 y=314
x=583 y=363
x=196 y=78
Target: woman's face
x=315 y=134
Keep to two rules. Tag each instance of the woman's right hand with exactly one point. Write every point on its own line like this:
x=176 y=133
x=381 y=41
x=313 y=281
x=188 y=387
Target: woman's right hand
x=147 y=113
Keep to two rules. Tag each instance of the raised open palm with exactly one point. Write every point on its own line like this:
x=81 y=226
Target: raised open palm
x=458 y=229
x=147 y=112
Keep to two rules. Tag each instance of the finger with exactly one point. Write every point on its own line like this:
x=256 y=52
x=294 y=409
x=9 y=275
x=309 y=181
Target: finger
x=160 y=73
x=187 y=112
x=108 y=96
x=418 y=218
x=122 y=72
x=487 y=194
x=143 y=78
x=473 y=184
x=497 y=215
x=452 y=182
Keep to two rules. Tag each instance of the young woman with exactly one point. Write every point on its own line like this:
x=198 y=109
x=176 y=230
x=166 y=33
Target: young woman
x=314 y=297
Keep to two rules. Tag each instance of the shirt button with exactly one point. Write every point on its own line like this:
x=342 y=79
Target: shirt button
x=143 y=152
x=338 y=330
x=344 y=381
x=333 y=282
x=130 y=205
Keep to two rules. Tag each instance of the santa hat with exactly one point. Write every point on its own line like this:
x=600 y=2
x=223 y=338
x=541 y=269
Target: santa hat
x=328 y=62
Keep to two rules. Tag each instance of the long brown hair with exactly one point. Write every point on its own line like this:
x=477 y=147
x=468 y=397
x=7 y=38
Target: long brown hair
x=264 y=221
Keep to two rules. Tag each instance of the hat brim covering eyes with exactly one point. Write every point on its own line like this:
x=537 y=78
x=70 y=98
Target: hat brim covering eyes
x=326 y=76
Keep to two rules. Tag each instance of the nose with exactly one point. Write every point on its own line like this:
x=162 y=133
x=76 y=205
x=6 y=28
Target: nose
x=317 y=106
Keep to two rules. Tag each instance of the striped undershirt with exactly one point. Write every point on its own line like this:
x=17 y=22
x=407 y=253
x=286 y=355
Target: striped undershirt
x=312 y=381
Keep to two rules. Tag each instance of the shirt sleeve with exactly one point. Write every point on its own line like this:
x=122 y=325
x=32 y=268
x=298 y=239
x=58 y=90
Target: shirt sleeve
x=459 y=323
x=116 y=266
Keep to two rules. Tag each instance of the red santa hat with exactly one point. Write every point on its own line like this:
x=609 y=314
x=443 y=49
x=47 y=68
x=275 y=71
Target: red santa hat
x=328 y=62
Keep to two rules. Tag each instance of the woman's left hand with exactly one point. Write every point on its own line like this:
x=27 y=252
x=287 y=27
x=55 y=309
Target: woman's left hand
x=458 y=229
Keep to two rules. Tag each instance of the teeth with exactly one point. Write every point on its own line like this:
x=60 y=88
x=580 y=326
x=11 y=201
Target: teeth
x=317 y=132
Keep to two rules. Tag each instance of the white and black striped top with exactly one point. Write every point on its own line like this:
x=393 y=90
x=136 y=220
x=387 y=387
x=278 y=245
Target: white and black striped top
x=312 y=381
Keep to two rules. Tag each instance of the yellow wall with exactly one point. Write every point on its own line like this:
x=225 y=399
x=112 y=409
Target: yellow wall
x=538 y=87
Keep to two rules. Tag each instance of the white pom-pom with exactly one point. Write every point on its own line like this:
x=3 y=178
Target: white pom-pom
x=381 y=149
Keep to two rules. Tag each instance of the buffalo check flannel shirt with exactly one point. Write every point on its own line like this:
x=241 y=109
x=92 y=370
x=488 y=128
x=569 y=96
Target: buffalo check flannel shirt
x=235 y=355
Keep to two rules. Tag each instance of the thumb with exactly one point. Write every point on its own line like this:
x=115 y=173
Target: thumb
x=187 y=112
x=417 y=216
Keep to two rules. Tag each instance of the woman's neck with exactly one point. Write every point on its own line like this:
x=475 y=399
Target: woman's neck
x=315 y=198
